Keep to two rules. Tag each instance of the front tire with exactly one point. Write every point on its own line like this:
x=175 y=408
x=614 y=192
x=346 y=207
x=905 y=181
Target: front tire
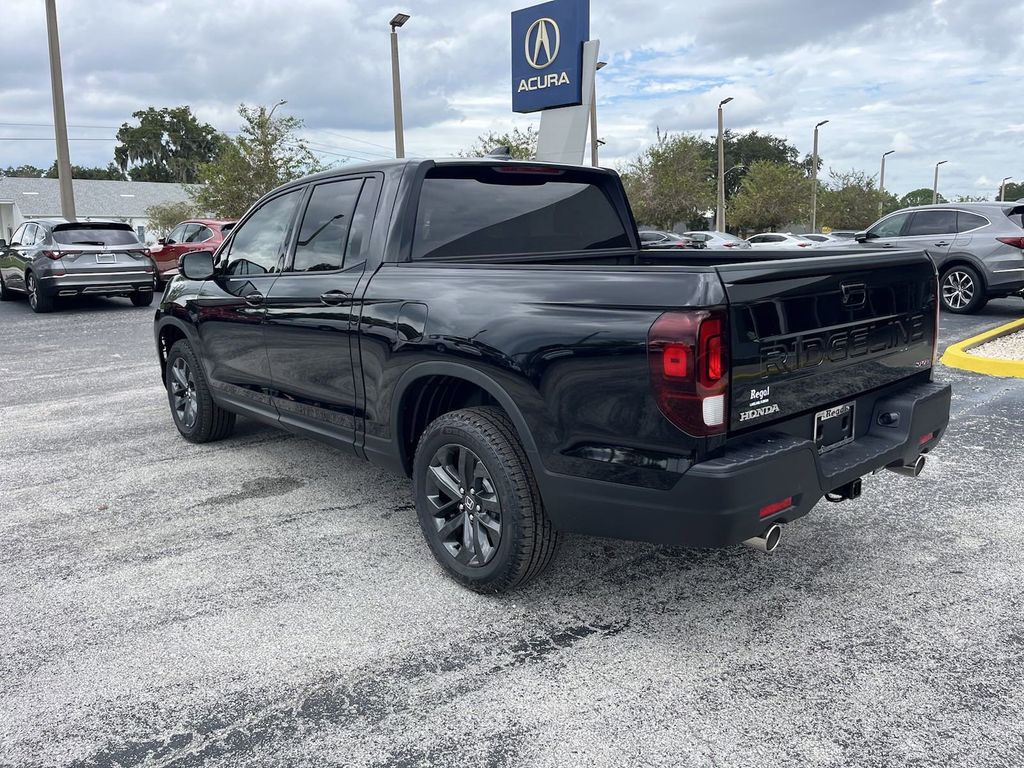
x=40 y=303
x=478 y=502
x=197 y=417
x=143 y=299
x=963 y=292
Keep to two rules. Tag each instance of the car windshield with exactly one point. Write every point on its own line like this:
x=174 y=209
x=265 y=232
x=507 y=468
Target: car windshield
x=94 y=236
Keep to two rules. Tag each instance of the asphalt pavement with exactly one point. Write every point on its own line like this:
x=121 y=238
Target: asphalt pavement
x=270 y=601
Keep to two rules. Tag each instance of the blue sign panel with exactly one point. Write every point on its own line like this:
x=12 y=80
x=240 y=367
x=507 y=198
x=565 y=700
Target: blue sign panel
x=547 y=54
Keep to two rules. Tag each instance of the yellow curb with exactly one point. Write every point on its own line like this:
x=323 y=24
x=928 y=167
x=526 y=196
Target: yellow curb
x=958 y=356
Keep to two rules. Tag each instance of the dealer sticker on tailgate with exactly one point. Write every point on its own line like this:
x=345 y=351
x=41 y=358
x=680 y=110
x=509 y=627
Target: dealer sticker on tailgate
x=833 y=427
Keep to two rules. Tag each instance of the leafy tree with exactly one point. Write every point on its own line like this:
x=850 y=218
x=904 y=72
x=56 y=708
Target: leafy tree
x=742 y=150
x=168 y=144
x=1014 y=191
x=266 y=154
x=922 y=196
x=163 y=217
x=110 y=173
x=522 y=144
x=671 y=181
x=849 y=200
x=23 y=172
x=772 y=195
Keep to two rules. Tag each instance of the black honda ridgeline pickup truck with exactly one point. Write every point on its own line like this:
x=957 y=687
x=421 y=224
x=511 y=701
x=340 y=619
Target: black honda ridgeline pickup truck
x=493 y=329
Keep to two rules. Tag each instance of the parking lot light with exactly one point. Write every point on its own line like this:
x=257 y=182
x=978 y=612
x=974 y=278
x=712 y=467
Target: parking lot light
x=814 y=178
x=881 y=182
x=1002 y=189
x=935 y=185
x=396 y=83
x=720 y=213
x=594 y=141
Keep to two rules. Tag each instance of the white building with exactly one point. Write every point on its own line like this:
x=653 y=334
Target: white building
x=124 y=201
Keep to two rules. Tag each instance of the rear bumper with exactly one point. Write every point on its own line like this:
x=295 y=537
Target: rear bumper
x=717 y=503
x=105 y=284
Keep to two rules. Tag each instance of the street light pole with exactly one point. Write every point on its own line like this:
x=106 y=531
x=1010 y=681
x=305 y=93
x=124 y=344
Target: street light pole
x=814 y=178
x=60 y=122
x=720 y=214
x=396 y=84
x=881 y=182
x=935 y=185
x=1002 y=189
x=593 y=118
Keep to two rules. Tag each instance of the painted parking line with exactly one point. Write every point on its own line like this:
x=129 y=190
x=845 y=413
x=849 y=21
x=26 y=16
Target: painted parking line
x=959 y=356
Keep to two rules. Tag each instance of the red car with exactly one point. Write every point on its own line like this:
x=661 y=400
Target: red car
x=191 y=235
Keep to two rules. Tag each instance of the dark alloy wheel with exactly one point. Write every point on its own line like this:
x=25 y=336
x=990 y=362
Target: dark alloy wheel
x=198 y=418
x=39 y=302
x=962 y=290
x=478 y=502
x=466 y=508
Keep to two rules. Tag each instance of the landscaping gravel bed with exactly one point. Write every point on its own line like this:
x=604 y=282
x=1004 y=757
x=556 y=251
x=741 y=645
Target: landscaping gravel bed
x=1006 y=348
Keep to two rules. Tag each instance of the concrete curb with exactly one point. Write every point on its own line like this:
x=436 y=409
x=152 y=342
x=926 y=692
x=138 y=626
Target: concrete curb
x=958 y=355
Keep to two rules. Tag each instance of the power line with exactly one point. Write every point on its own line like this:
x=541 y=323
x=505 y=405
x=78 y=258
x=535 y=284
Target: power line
x=52 y=138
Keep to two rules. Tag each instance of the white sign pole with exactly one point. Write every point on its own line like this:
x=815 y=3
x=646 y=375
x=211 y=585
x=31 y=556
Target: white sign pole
x=563 y=132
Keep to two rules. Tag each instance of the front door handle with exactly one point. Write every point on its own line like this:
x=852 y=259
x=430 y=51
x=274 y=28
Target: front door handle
x=254 y=299
x=943 y=244
x=889 y=245
x=334 y=298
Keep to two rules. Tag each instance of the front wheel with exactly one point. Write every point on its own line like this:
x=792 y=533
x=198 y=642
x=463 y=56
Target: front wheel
x=39 y=302
x=478 y=502
x=197 y=417
x=143 y=299
x=963 y=293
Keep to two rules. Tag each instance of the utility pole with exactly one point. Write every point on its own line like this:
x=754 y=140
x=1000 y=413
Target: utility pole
x=881 y=182
x=935 y=185
x=60 y=121
x=814 y=179
x=720 y=213
x=396 y=84
x=1002 y=189
x=594 y=142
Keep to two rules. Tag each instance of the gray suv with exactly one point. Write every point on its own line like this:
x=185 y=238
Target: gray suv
x=51 y=258
x=977 y=247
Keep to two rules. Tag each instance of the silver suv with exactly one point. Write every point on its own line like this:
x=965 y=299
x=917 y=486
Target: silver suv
x=977 y=247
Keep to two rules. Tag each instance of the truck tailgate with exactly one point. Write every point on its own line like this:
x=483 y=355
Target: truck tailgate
x=810 y=334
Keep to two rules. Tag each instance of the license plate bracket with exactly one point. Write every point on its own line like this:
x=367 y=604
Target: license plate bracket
x=106 y=258
x=833 y=427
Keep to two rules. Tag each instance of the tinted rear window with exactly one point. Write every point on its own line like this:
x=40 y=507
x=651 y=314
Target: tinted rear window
x=1016 y=215
x=481 y=210
x=937 y=222
x=95 y=236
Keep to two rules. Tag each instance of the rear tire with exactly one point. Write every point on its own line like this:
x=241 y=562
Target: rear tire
x=478 y=502
x=197 y=417
x=39 y=303
x=142 y=299
x=963 y=292
x=5 y=294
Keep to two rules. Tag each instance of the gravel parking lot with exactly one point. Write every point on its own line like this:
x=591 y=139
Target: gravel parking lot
x=1006 y=348
x=270 y=601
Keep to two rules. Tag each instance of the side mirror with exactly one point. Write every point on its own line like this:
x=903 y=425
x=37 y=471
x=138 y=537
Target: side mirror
x=861 y=237
x=196 y=265
x=162 y=240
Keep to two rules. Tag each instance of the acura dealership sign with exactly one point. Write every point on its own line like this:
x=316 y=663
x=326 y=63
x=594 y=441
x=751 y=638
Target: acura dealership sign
x=547 y=54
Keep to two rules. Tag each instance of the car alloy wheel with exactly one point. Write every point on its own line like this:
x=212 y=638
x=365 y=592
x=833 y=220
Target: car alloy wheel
x=958 y=289
x=33 y=291
x=183 y=391
x=465 y=509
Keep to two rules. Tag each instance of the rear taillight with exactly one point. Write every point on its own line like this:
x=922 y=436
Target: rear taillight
x=1016 y=242
x=55 y=255
x=687 y=354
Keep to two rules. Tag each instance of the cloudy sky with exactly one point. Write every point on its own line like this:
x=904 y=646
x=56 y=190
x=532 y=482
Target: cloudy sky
x=932 y=79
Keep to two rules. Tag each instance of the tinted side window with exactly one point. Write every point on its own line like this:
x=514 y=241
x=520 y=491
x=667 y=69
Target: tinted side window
x=325 y=226
x=487 y=210
x=933 y=223
x=198 y=235
x=19 y=234
x=362 y=221
x=175 y=235
x=30 y=235
x=258 y=244
x=965 y=222
x=649 y=237
x=891 y=227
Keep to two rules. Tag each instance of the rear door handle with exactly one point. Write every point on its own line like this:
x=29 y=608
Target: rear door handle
x=888 y=245
x=254 y=299
x=943 y=244
x=334 y=298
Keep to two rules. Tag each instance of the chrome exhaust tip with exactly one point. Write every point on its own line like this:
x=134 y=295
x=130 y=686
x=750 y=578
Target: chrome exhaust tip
x=910 y=470
x=768 y=541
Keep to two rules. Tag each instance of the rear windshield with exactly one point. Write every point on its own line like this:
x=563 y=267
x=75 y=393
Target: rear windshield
x=487 y=210
x=1016 y=215
x=94 y=236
